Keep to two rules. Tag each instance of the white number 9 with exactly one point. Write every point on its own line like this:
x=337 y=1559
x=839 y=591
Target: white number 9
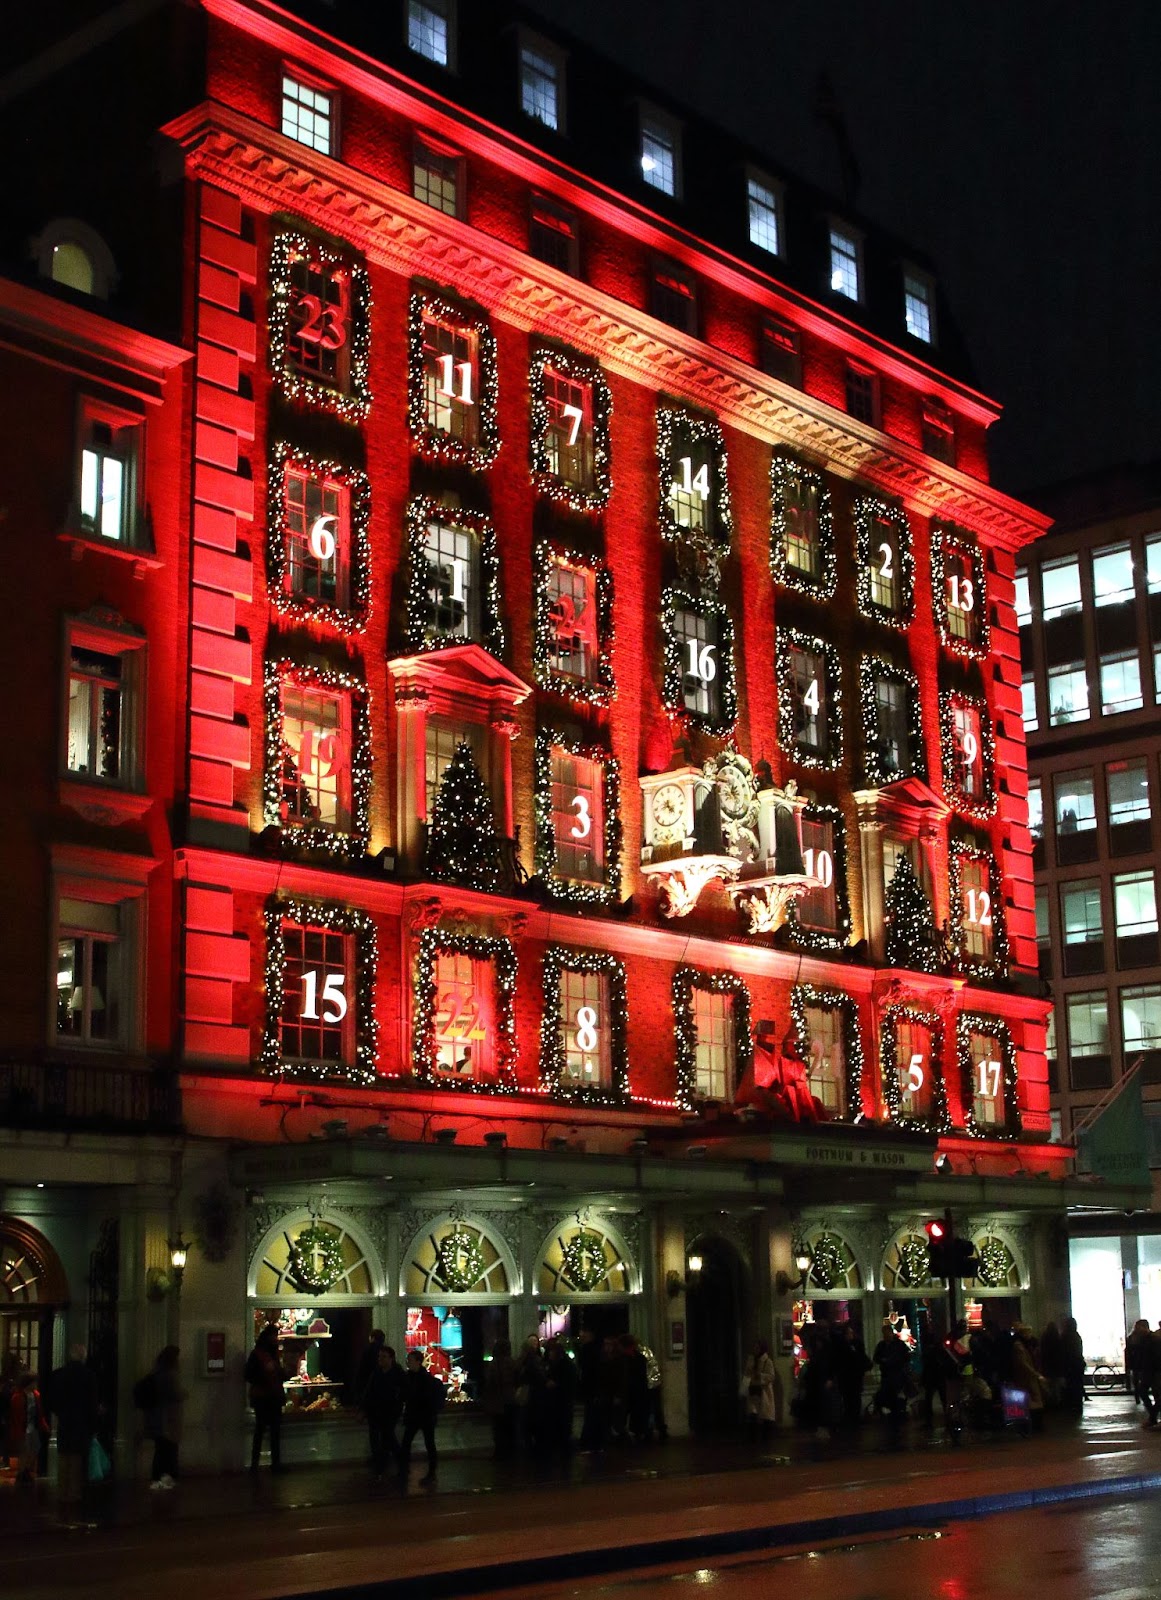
x=971 y=748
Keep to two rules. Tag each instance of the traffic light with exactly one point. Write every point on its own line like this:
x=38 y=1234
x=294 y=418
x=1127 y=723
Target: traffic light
x=938 y=1256
x=964 y=1261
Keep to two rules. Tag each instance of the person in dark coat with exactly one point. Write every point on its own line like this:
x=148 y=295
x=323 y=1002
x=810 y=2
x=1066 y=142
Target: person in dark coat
x=1134 y=1354
x=559 y=1383
x=382 y=1407
x=892 y=1359
x=500 y=1400
x=72 y=1400
x=368 y=1362
x=421 y=1399
x=636 y=1388
x=852 y=1363
x=267 y=1396
x=1071 y=1368
x=1150 y=1369
x=163 y=1419
x=530 y=1380
x=588 y=1363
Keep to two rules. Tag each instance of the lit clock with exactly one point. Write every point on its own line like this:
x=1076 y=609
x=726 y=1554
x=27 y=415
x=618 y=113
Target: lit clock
x=668 y=807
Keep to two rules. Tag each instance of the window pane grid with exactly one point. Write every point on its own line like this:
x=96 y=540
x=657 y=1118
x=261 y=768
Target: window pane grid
x=450 y=353
x=844 y=264
x=713 y=1021
x=575 y=651
x=569 y=438
x=1141 y=1018
x=451 y=557
x=319 y=345
x=1121 y=683
x=763 y=204
x=309 y=571
x=1134 y=904
x=659 y=156
x=88 y=992
x=538 y=86
x=818 y=907
x=314 y=788
x=688 y=507
x=977 y=912
x=697 y=641
x=462 y=1039
x=1075 y=802
x=800 y=521
x=306 y=115
x=436 y=179
x=577 y=817
x=917 y=306
x=441 y=742
x=1128 y=784
x=810 y=700
x=1081 y=909
x=1088 y=1024
x=308 y=1002
x=582 y=1030
x=427 y=30
x=826 y=1063
x=103 y=479
x=884 y=566
x=916 y=1088
x=987 y=1062
x=95 y=714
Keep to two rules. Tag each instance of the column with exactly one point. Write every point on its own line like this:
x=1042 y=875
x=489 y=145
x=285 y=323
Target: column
x=669 y=1256
x=871 y=856
x=502 y=729
x=411 y=707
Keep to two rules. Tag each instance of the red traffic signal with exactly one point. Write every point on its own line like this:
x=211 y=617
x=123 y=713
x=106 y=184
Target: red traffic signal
x=938 y=1254
x=935 y=1229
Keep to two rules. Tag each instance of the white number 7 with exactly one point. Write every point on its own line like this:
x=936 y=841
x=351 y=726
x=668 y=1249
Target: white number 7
x=576 y=416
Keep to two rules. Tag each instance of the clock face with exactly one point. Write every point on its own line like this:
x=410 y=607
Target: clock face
x=735 y=792
x=668 y=805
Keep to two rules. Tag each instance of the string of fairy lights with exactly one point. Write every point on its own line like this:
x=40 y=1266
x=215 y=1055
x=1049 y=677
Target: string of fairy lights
x=803 y=558
x=937 y=1119
x=877 y=769
x=969 y=1025
x=987 y=967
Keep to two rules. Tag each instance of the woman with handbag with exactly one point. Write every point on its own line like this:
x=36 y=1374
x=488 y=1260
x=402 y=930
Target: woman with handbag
x=759 y=1381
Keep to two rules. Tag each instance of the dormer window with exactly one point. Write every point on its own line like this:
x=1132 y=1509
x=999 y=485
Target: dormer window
x=919 y=304
x=846 y=251
x=431 y=30
x=70 y=253
x=660 y=151
x=542 y=83
x=308 y=114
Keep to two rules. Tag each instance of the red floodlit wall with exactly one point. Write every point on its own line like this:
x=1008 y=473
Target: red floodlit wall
x=239 y=417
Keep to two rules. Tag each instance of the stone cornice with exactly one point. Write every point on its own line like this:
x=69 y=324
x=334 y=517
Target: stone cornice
x=273 y=174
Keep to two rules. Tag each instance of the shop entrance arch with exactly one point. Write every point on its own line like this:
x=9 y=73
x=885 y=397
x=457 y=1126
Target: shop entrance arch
x=717 y=1310
x=33 y=1289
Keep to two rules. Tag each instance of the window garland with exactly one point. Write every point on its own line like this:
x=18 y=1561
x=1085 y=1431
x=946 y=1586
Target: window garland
x=875 y=773
x=603 y=690
x=983 y=808
x=672 y=695
x=870 y=509
x=313 y=835
x=944 y=537
x=940 y=1119
x=566 y=889
x=809 y=994
x=301 y=608
x=558 y=959
x=286 y=249
x=967 y=1023
x=685 y=981
x=420 y=511
x=785 y=641
x=546 y=481
x=722 y=522
x=817 y=940
x=430 y=442
x=967 y=964
x=783 y=470
x=336 y=919
x=501 y=955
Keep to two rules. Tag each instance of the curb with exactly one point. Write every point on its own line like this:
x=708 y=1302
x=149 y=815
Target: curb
x=526 y=1571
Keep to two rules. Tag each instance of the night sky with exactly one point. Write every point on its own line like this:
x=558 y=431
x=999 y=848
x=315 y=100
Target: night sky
x=1016 y=141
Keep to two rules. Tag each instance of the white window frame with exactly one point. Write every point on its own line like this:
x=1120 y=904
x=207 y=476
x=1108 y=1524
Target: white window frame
x=665 y=131
x=715 y=1058
x=120 y=881
x=842 y=233
x=593 y=989
x=436 y=11
x=537 y=45
x=295 y=85
x=919 y=286
x=112 y=638
x=126 y=444
x=426 y=155
x=772 y=202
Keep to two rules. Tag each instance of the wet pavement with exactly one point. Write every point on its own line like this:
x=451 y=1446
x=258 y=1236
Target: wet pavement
x=317 y=1529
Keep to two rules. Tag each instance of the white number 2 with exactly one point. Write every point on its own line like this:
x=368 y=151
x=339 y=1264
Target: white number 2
x=701 y=661
x=988 y=1086
x=448 y=367
x=332 y=995
x=886 y=561
x=979 y=907
x=694 y=482
x=915 y=1073
x=585 y=1037
x=583 y=825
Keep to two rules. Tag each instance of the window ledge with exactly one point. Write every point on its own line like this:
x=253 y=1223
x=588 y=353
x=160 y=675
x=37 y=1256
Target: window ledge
x=102 y=803
x=143 y=561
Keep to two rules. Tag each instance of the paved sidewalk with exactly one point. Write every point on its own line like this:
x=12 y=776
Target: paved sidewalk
x=330 y=1531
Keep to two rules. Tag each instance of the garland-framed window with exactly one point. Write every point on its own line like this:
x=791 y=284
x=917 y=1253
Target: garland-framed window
x=320 y=325
x=820 y=919
x=885 y=567
x=699 y=682
x=968 y=754
x=892 y=731
x=316 y=779
x=977 y=912
x=571 y=408
x=987 y=1062
x=715 y=1045
x=573 y=638
x=465 y=1022
x=809 y=676
x=320 y=992
x=583 y=1044
x=826 y=1024
x=911 y=1048
x=453 y=587
x=959 y=586
x=693 y=480
x=578 y=822
x=318 y=548
x=802 y=551
x=451 y=382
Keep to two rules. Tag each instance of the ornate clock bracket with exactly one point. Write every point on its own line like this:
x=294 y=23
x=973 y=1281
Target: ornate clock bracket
x=766 y=888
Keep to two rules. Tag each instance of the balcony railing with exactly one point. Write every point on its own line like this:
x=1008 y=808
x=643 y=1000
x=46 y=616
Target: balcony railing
x=89 y=1094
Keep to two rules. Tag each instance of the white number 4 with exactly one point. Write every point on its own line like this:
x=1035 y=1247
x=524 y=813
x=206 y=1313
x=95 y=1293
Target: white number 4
x=810 y=698
x=332 y=995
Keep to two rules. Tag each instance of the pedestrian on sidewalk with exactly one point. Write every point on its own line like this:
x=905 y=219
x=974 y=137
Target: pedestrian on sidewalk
x=588 y=1361
x=636 y=1388
x=382 y=1407
x=500 y=1400
x=656 y=1395
x=163 y=1418
x=759 y=1381
x=1026 y=1374
x=530 y=1391
x=72 y=1400
x=893 y=1360
x=1071 y=1368
x=1135 y=1350
x=852 y=1363
x=1150 y=1366
x=267 y=1396
x=1052 y=1363
x=368 y=1362
x=27 y=1427
x=422 y=1398
x=559 y=1384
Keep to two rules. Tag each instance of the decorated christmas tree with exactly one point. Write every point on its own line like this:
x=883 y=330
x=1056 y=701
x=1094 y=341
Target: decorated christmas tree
x=911 y=936
x=462 y=844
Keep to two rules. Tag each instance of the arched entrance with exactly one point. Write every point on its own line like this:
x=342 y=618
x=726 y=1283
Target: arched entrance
x=717 y=1308
x=32 y=1290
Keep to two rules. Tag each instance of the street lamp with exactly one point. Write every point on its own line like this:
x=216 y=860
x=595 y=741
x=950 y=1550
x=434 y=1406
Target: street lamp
x=803 y=1261
x=178 y=1254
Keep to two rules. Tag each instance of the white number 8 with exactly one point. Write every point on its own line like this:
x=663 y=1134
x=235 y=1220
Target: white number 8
x=586 y=1029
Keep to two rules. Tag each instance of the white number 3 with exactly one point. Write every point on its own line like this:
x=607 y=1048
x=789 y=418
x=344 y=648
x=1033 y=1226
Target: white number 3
x=583 y=825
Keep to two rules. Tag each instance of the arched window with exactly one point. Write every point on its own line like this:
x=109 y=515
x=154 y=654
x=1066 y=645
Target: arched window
x=72 y=265
x=906 y=1264
x=309 y=1259
x=583 y=1258
x=71 y=253
x=455 y=1257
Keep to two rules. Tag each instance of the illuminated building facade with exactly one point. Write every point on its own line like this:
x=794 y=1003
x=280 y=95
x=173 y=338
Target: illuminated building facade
x=598 y=818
